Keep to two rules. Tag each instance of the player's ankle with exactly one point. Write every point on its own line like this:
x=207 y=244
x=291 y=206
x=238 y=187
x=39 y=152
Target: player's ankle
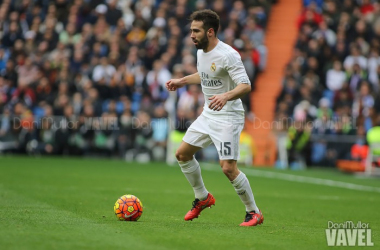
x=202 y=197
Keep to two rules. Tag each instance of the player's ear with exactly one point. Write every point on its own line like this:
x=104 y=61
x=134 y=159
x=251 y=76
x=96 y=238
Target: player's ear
x=210 y=32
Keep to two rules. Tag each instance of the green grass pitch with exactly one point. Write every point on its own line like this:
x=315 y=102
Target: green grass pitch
x=60 y=203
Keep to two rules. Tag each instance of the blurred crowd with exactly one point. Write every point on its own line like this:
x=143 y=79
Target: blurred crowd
x=332 y=80
x=85 y=77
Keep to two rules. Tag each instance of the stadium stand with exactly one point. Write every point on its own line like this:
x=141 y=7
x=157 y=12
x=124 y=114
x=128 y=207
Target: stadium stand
x=332 y=78
x=81 y=77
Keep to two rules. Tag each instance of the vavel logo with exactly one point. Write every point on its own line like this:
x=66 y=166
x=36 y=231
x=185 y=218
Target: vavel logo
x=348 y=234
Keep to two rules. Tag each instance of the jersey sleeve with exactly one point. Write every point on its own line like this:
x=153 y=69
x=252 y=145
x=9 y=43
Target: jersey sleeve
x=235 y=68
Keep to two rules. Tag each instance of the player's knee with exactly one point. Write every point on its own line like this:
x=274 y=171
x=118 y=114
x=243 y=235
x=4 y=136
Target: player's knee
x=229 y=167
x=228 y=163
x=182 y=156
x=228 y=171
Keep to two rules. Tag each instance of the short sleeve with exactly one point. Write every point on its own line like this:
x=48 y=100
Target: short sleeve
x=235 y=68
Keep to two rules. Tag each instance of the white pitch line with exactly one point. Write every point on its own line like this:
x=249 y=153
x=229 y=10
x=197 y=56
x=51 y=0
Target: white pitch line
x=296 y=178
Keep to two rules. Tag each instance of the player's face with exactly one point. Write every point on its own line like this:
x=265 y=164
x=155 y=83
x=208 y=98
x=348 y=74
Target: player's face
x=198 y=35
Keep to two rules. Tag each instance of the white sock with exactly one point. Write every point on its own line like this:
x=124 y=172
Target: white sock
x=243 y=189
x=192 y=171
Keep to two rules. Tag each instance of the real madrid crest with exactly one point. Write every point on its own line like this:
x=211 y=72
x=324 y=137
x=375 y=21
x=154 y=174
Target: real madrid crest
x=213 y=67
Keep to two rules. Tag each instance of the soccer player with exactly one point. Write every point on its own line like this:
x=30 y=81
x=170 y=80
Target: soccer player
x=224 y=80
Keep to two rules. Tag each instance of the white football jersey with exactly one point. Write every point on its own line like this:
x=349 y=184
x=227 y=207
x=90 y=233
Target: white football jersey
x=221 y=70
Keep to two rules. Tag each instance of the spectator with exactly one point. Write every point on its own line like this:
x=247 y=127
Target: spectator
x=326 y=33
x=343 y=97
x=24 y=93
x=4 y=92
x=69 y=36
x=27 y=73
x=373 y=69
x=60 y=53
x=156 y=79
x=103 y=72
x=239 y=10
x=309 y=17
x=160 y=126
x=355 y=58
x=363 y=101
x=10 y=74
x=191 y=99
x=355 y=77
x=136 y=35
x=324 y=109
x=12 y=35
x=367 y=7
x=113 y=14
x=44 y=92
x=44 y=140
x=298 y=144
x=254 y=33
x=335 y=77
x=322 y=126
x=125 y=138
x=105 y=137
x=143 y=138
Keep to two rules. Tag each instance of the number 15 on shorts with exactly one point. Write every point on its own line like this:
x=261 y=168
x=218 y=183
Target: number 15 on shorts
x=225 y=148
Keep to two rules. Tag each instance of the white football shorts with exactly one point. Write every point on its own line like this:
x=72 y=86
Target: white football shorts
x=225 y=136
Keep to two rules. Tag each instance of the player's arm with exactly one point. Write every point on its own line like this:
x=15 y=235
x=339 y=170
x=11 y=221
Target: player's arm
x=191 y=79
x=174 y=84
x=218 y=101
x=238 y=92
x=236 y=70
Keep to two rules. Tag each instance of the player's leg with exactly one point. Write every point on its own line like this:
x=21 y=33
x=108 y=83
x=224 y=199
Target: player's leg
x=242 y=187
x=195 y=138
x=226 y=139
x=241 y=184
x=191 y=169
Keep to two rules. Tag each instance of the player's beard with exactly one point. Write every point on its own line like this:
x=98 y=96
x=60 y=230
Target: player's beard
x=203 y=43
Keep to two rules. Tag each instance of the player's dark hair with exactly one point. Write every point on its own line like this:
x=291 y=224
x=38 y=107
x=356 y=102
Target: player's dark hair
x=209 y=18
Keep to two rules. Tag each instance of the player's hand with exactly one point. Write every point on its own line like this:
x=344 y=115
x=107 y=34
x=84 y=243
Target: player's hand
x=174 y=84
x=217 y=102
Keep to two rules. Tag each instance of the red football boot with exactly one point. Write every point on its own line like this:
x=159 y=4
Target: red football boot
x=198 y=206
x=253 y=219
